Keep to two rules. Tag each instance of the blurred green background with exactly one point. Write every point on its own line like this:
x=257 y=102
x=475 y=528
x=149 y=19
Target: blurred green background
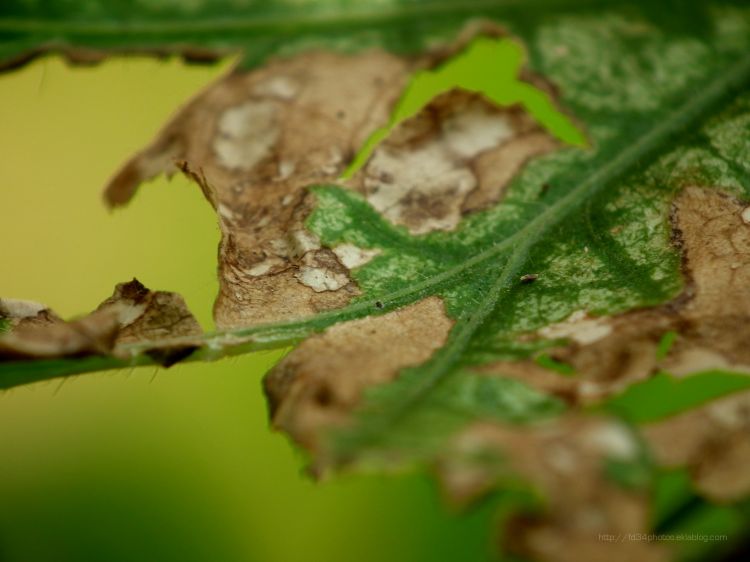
x=159 y=465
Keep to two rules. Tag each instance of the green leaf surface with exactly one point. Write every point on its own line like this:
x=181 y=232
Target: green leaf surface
x=664 y=395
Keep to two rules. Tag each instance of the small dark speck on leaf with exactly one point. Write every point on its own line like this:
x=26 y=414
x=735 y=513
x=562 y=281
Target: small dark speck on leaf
x=323 y=396
x=385 y=177
x=529 y=278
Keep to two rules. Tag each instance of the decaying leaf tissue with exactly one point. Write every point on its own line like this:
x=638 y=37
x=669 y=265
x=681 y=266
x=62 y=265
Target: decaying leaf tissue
x=482 y=280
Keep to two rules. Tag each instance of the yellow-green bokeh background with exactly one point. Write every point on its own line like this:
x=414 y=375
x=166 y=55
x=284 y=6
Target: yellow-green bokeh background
x=169 y=465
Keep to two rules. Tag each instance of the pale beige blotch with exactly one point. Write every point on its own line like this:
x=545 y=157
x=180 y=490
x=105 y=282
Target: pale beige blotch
x=317 y=385
x=400 y=185
x=281 y=87
x=16 y=309
x=246 y=134
x=578 y=327
x=455 y=156
x=300 y=242
x=321 y=279
x=479 y=128
x=264 y=267
x=614 y=440
x=352 y=256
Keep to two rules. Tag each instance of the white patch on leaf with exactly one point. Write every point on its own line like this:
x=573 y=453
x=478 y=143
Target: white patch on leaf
x=300 y=242
x=282 y=87
x=352 y=256
x=247 y=133
x=321 y=279
x=426 y=171
x=265 y=266
x=579 y=328
x=468 y=134
x=286 y=169
x=225 y=212
x=614 y=440
x=15 y=308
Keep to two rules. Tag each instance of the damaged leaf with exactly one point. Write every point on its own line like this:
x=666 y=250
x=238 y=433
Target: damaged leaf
x=256 y=141
x=133 y=325
x=482 y=279
x=567 y=463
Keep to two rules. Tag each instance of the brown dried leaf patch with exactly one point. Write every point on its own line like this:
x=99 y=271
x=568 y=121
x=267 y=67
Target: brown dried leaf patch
x=565 y=462
x=712 y=442
x=318 y=385
x=132 y=315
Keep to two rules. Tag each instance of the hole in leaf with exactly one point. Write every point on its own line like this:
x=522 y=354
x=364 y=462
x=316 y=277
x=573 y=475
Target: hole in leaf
x=488 y=66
